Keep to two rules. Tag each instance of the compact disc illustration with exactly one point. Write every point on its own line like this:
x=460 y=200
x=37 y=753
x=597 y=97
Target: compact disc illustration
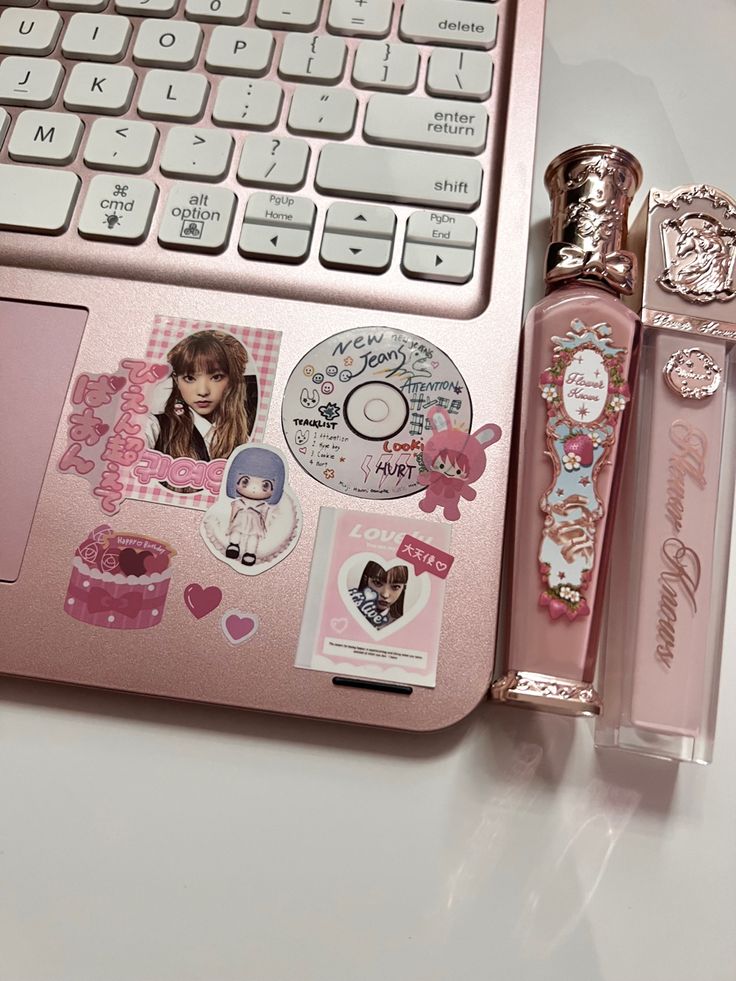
x=355 y=409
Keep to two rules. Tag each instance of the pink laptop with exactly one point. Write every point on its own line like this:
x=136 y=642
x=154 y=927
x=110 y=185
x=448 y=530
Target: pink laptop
x=261 y=281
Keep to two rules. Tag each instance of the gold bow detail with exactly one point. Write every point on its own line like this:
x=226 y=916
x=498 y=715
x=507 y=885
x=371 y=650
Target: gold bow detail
x=564 y=262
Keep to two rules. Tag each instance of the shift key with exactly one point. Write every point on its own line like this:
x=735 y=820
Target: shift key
x=409 y=176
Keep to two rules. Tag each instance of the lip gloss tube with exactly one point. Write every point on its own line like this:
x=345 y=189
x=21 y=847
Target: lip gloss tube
x=664 y=627
x=579 y=352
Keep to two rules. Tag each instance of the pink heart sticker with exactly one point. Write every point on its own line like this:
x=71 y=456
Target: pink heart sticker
x=101 y=428
x=302 y=449
x=116 y=383
x=339 y=624
x=238 y=626
x=201 y=600
x=160 y=370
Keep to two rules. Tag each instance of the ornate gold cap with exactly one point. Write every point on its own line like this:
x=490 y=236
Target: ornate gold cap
x=528 y=689
x=690 y=264
x=591 y=188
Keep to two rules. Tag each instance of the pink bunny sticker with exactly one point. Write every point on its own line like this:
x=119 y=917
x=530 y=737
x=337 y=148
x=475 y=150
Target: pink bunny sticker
x=453 y=460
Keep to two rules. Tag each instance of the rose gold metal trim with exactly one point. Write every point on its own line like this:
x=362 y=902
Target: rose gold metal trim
x=542 y=691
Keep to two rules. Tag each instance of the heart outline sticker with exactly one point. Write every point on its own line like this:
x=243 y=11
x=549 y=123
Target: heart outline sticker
x=238 y=626
x=419 y=583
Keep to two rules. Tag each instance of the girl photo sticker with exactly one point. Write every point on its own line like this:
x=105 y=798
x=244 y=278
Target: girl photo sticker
x=257 y=519
x=453 y=460
x=374 y=601
x=202 y=390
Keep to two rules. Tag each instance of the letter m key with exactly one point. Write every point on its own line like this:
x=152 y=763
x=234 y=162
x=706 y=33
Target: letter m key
x=45 y=135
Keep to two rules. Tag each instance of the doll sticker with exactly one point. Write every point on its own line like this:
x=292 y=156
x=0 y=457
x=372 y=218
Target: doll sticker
x=453 y=460
x=257 y=519
x=374 y=602
x=160 y=429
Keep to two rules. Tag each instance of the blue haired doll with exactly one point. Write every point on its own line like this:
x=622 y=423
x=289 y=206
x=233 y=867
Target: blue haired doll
x=255 y=482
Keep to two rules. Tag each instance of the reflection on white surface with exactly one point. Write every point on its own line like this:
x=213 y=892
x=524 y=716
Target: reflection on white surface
x=480 y=849
x=562 y=887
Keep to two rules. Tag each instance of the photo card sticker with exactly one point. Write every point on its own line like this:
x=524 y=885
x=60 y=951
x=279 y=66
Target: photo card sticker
x=374 y=602
x=160 y=429
x=256 y=521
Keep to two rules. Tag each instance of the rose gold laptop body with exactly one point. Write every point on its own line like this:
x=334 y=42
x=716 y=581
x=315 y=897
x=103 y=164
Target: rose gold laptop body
x=90 y=304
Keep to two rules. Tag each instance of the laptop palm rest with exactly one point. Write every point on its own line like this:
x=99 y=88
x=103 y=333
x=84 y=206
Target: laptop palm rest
x=38 y=348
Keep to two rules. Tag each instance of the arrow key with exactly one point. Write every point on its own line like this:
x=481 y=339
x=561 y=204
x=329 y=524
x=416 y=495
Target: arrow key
x=259 y=241
x=363 y=253
x=121 y=144
x=441 y=264
x=200 y=153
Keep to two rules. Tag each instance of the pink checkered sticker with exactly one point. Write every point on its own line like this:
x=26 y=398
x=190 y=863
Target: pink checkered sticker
x=203 y=389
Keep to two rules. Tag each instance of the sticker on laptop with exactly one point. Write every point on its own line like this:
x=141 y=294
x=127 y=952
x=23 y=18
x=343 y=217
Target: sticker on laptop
x=160 y=428
x=452 y=460
x=374 y=601
x=257 y=519
x=119 y=580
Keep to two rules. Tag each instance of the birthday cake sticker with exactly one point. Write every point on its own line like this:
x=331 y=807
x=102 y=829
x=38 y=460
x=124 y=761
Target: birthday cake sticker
x=119 y=580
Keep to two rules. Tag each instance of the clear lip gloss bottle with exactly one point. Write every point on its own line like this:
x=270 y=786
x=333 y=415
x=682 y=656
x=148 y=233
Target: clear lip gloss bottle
x=664 y=629
x=580 y=346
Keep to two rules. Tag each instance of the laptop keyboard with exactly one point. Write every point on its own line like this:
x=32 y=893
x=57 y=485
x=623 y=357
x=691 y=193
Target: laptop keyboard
x=356 y=136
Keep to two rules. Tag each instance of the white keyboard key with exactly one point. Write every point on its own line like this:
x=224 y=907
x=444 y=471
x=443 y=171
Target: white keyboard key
x=105 y=89
x=217 y=11
x=197 y=217
x=29 y=81
x=45 y=137
x=393 y=67
x=288 y=15
x=90 y=5
x=285 y=210
x=118 y=209
x=4 y=123
x=121 y=145
x=410 y=176
x=459 y=23
x=270 y=162
x=247 y=104
x=437 y=263
x=322 y=111
x=29 y=31
x=174 y=44
x=18 y=3
x=460 y=74
x=95 y=37
x=147 y=8
x=364 y=18
x=437 y=124
x=440 y=228
x=279 y=244
x=239 y=51
x=312 y=58
x=191 y=152
x=362 y=253
x=173 y=95
x=35 y=199
x=360 y=219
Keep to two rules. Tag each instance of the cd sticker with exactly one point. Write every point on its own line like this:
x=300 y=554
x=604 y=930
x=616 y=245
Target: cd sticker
x=453 y=460
x=257 y=520
x=356 y=410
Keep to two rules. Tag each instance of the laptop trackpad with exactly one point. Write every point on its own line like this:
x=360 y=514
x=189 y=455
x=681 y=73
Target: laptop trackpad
x=38 y=348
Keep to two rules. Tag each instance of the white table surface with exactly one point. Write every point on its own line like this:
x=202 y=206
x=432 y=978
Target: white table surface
x=144 y=841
